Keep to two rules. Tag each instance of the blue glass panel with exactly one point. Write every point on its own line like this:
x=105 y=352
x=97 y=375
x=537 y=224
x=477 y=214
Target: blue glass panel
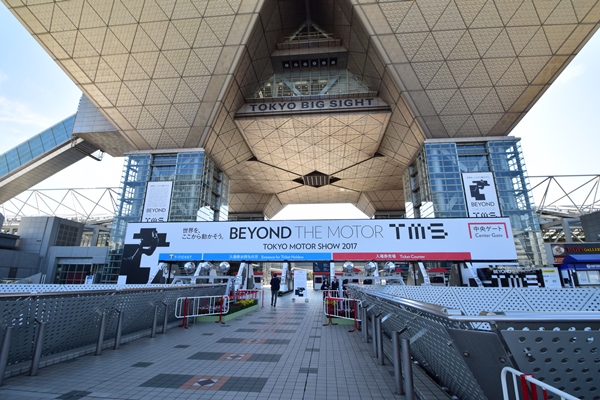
x=68 y=123
x=35 y=144
x=60 y=133
x=24 y=152
x=170 y=159
x=161 y=173
x=12 y=159
x=47 y=140
x=3 y=165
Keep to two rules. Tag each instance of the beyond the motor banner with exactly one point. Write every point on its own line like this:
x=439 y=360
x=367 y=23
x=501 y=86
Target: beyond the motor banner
x=402 y=240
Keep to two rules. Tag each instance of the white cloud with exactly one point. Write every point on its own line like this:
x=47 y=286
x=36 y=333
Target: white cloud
x=16 y=112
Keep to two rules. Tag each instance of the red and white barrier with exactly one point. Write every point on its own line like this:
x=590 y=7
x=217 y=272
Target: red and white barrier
x=188 y=307
x=527 y=386
x=344 y=308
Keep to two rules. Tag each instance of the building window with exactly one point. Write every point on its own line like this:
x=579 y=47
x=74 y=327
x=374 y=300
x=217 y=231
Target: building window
x=74 y=274
x=67 y=235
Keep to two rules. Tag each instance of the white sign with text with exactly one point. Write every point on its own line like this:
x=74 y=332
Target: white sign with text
x=480 y=194
x=398 y=240
x=157 y=202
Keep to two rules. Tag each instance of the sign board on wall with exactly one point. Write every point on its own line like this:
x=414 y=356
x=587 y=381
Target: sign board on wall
x=562 y=250
x=551 y=277
x=157 y=202
x=480 y=194
x=371 y=104
x=398 y=240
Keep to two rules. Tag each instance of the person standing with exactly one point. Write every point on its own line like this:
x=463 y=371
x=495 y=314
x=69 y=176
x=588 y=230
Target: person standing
x=335 y=285
x=275 y=285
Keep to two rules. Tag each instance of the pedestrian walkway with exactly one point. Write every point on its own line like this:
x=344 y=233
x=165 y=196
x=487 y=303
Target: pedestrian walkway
x=272 y=353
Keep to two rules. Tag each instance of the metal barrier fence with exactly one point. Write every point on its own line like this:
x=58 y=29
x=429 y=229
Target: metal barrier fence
x=334 y=293
x=526 y=386
x=199 y=306
x=249 y=294
x=344 y=308
x=191 y=307
x=465 y=339
x=71 y=321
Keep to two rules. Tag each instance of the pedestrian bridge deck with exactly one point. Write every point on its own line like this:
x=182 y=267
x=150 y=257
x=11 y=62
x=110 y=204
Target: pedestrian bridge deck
x=271 y=353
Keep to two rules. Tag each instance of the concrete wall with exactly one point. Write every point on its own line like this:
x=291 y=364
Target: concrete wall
x=27 y=264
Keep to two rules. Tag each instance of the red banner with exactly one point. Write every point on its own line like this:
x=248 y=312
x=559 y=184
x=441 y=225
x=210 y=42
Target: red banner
x=444 y=256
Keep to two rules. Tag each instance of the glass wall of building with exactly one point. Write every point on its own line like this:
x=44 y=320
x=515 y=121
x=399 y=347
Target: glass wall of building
x=434 y=187
x=200 y=192
x=74 y=274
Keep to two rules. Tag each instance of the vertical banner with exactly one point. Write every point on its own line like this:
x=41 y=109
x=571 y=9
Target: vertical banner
x=480 y=194
x=300 y=281
x=157 y=202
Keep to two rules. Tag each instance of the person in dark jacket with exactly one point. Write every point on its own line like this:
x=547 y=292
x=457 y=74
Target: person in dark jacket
x=335 y=284
x=275 y=286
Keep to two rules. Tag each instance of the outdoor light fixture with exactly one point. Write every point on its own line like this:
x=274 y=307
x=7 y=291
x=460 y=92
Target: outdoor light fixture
x=389 y=267
x=205 y=268
x=370 y=267
x=164 y=267
x=348 y=267
x=223 y=267
x=189 y=267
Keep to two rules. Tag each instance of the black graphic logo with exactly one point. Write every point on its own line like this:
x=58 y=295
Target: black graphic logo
x=476 y=189
x=150 y=239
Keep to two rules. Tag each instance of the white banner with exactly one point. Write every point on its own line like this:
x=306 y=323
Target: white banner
x=480 y=194
x=300 y=280
x=398 y=240
x=157 y=202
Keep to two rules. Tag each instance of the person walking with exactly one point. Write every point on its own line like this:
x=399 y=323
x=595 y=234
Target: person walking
x=275 y=285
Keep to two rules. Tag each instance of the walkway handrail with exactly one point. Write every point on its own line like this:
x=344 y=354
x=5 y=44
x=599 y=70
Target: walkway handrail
x=529 y=391
x=571 y=316
x=522 y=316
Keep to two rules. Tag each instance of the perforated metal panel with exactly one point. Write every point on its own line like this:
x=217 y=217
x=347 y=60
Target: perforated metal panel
x=73 y=318
x=430 y=345
x=564 y=355
x=567 y=359
x=473 y=300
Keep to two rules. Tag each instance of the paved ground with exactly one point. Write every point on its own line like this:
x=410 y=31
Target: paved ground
x=272 y=353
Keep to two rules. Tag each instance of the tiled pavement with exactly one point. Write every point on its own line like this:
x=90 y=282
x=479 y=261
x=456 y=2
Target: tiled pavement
x=271 y=353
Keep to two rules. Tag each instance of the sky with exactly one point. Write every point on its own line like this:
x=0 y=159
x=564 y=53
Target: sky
x=559 y=135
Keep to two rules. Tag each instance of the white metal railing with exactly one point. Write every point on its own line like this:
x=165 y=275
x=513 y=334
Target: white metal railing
x=247 y=294
x=527 y=386
x=334 y=293
x=344 y=308
x=190 y=307
x=201 y=305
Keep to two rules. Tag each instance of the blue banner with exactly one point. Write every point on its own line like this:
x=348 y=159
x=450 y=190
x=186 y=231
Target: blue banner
x=267 y=256
x=180 y=257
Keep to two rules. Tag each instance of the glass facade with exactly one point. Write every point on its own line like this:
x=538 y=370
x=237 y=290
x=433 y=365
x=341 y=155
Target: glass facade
x=200 y=193
x=312 y=82
x=74 y=274
x=36 y=146
x=434 y=189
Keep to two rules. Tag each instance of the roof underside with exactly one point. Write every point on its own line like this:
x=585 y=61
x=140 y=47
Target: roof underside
x=172 y=75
